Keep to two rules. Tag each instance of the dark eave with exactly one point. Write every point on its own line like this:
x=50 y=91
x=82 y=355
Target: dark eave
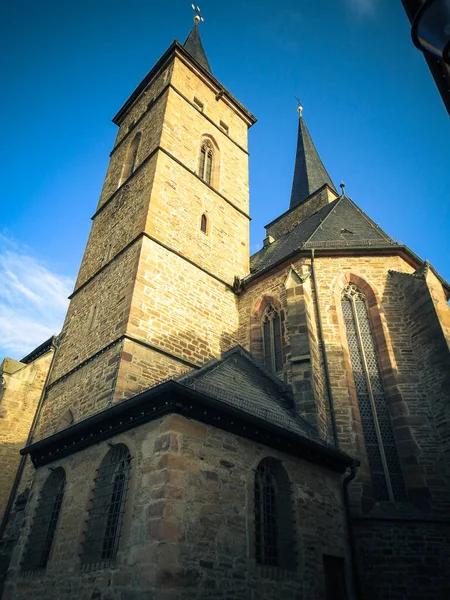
x=172 y=397
x=37 y=352
x=177 y=48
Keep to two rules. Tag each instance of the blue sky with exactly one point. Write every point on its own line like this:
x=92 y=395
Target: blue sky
x=369 y=101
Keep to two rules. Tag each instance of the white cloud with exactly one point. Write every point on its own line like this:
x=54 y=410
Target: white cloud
x=362 y=8
x=33 y=300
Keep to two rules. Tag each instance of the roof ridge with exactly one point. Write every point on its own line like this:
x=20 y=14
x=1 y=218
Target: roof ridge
x=337 y=201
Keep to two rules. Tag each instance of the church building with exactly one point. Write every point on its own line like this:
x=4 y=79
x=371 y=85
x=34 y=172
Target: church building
x=214 y=425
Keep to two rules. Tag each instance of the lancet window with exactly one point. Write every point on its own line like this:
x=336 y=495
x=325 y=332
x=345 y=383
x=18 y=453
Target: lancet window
x=130 y=159
x=379 y=438
x=204 y=224
x=107 y=508
x=271 y=334
x=39 y=545
x=206 y=161
x=274 y=523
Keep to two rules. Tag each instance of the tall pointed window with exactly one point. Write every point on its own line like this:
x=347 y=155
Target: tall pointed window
x=387 y=478
x=130 y=159
x=107 y=508
x=204 y=223
x=274 y=523
x=271 y=333
x=39 y=545
x=206 y=161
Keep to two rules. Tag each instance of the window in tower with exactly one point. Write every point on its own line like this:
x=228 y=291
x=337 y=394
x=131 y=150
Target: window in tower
x=387 y=478
x=274 y=523
x=107 y=508
x=206 y=161
x=39 y=545
x=204 y=223
x=271 y=334
x=130 y=159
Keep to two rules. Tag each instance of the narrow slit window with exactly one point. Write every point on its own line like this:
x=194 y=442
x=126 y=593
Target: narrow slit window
x=107 y=508
x=387 y=478
x=204 y=224
x=274 y=523
x=271 y=333
x=40 y=541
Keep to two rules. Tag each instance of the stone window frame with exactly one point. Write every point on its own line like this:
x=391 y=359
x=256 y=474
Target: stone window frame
x=45 y=522
x=100 y=563
x=129 y=164
x=204 y=223
x=270 y=571
x=396 y=405
x=256 y=334
x=209 y=142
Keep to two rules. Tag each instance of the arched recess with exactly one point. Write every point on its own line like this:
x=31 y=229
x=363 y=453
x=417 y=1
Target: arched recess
x=129 y=164
x=260 y=310
x=209 y=161
x=395 y=404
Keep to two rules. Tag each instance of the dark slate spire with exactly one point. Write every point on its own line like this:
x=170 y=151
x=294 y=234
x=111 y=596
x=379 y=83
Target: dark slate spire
x=194 y=46
x=309 y=172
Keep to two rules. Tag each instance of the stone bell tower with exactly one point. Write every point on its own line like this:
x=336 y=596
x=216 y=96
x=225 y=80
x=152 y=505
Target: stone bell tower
x=154 y=296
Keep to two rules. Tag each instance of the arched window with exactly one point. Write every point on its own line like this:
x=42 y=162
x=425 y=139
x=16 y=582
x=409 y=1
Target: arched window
x=271 y=334
x=45 y=520
x=107 y=508
x=204 y=223
x=130 y=158
x=387 y=478
x=274 y=523
x=206 y=161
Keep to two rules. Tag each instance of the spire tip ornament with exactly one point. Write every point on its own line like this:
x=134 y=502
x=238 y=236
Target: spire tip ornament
x=299 y=106
x=197 y=17
x=342 y=186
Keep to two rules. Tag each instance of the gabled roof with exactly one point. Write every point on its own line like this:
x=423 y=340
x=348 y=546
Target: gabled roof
x=309 y=171
x=338 y=224
x=239 y=380
x=233 y=393
x=194 y=46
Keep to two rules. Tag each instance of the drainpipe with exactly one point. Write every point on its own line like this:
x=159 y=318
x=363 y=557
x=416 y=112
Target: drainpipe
x=351 y=536
x=324 y=354
x=18 y=476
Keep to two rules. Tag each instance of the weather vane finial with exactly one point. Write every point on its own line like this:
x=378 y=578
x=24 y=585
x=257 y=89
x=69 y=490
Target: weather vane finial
x=198 y=17
x=342 y=186
x=299 y=105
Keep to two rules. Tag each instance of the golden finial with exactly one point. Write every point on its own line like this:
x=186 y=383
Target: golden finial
x=198 y=17
x=299 y=106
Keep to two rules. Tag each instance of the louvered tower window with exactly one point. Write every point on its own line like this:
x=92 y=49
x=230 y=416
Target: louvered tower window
x=206 y=161
x=107 y=508
x=274 y=524
x=45 y=520
x=271 y=333
x=387 y=478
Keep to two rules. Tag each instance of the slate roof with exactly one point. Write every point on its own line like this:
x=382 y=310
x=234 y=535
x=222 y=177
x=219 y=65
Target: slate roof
x=194 y=46
x=309 y=171
x=238 y=380
x=338 y=224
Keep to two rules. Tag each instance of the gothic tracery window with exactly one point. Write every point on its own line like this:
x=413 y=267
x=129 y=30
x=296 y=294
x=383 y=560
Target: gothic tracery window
x=39 y=545
x=274 y=523
x=206 y=161
x=107 y=507
x=387 y=478
x=271 y=333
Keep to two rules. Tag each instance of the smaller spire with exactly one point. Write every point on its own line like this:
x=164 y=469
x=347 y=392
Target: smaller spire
x=193 y=43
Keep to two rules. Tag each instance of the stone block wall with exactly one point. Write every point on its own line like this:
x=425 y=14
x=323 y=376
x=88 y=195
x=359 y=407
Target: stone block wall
x=20 y=390
x=188 y=527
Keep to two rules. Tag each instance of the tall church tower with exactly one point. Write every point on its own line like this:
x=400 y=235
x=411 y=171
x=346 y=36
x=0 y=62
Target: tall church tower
x=153 y=298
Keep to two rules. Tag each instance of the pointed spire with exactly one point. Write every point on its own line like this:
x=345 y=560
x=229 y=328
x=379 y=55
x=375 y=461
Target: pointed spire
x=309 y=172
x=193 y=43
